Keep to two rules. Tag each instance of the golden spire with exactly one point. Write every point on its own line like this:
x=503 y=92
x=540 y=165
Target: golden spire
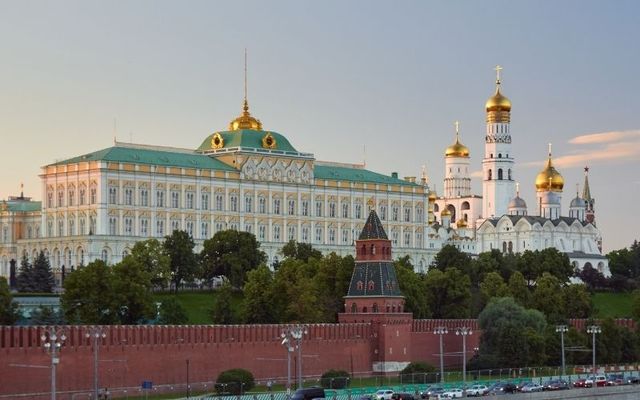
x=549 y=179
x=457 y=149
x=498 y=107
x=245 y=120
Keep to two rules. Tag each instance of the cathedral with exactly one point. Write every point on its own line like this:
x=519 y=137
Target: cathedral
x=99 y=204
x=500 y=219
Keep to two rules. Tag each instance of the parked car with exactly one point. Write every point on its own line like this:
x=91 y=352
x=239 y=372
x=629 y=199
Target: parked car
x=600 y=380
x=616 y=379
x=452 y=393
x=521 y=384
x=402 y=396
x=556 y=384
x=580 y=383
x=384 y=394
x=432 y=392
x=477 y=390
x=503 y=388
x=632 y=379
x=308 y=393
x=531 y=387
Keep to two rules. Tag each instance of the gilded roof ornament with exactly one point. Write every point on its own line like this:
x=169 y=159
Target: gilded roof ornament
x=217 y=141
x=268 y=141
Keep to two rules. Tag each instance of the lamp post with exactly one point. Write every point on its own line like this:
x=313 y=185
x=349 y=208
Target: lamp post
x=188 y=385
x=295 y=333
x=441 y=330
x=562 y=329
x=96 y=333
x=52 y=340
x=464 y=332
x=594 y=330
x=286 y=342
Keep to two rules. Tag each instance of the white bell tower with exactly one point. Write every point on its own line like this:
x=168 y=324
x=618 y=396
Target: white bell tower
x=498 y=186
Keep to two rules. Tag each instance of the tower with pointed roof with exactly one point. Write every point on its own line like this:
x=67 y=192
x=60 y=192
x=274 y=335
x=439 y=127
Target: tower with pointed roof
x=590 y=214
x=374 y=297
x=498 y=186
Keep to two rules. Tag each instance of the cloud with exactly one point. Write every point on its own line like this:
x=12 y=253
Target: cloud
x=477 y=174
x=604 y=147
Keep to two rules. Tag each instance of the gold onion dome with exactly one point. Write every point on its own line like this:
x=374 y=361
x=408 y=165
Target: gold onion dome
x=549 y=178
x=432 y=196
x=245 y=120
x=457 y=149
x=445 y=212
x=461 y=223
x=498 y=102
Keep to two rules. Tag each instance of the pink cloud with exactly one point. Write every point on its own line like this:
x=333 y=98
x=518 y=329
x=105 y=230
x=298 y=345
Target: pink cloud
x=605 y=137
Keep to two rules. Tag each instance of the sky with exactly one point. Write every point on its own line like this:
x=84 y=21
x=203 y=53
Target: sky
x=350 y=81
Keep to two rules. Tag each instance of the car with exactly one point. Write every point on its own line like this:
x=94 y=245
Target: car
x=502 y=388
x=366 y=397
x=600 y=380
x=632 y=379
x=556 y=384
x=521 y=384
x=580 y=383
x=531 y=387
x=308 y=393
x=384 y=394
x=477 y=390
x=402 y=396
x=432 y=392
x=616 y=379
x=453 y=393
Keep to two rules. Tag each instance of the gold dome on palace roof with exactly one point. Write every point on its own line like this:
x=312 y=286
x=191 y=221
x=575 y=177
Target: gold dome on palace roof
x=245 y=120
x=549 y=178
x=432 y=196
x=445 y=212
x=461 y=223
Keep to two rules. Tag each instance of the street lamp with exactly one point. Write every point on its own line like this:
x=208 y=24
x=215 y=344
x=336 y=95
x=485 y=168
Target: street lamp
x=286 y=342
x=562 y=329
x=97 y=334
x=295 y=333
x=464 y=332
x=594 y=330
x=52 y=341
x=441 y=330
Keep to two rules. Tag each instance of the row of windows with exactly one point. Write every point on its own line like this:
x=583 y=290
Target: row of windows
x=500 y=174
x=82 y=199
x=69 y=229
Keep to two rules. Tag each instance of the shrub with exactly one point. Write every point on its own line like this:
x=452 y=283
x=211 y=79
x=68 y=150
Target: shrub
x=418 y=372
x=334 y=379
x=231 y=381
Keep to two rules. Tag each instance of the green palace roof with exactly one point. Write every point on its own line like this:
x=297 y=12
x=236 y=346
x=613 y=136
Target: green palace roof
x=247 y=138
x=341 y=173
x=23 y=205
x=140 y=155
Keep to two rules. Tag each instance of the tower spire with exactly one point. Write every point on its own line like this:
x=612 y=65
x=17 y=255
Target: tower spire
x=245 y=120
x=517 y=189
x=498 y=68
x=245 y=74
x=586 y=191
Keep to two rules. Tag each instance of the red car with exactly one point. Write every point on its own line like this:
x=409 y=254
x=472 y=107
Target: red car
x=581 y=383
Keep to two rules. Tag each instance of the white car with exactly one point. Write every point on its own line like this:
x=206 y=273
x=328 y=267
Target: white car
x=477 y=390
x=532 y=387
x=384 y=394
x=452 y=393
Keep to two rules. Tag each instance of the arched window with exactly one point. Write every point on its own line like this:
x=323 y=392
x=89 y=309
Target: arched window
x=364 y=309
x=499 y=174
x=509 y=174
x=499 y=155
x=436 y=208
x=465 y=205
x=489 y=176
x=510 y=247
x=373 y=249
x=374 y=308
x=388 y=308
x=354 y=308
x=504 y=247
x=393 y=308
x=363 y=251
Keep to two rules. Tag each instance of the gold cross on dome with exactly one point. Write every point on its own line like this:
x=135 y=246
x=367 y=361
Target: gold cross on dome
x=457 y=124
x=498 y=68
x=549 y=149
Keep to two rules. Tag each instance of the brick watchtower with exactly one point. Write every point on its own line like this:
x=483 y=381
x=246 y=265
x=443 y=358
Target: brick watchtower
x=374 y=296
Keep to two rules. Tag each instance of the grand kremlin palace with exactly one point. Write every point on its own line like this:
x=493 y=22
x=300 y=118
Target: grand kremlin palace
x=97 y=205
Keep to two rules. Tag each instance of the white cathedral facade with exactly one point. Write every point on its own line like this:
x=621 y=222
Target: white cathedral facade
x=98 y=205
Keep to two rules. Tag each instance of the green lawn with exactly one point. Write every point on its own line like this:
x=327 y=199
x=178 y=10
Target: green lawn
x=615 y=305
x=199 y=303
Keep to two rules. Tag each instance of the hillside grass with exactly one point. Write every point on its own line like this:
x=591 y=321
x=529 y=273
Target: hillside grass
x=198 y=304
x=614 y=305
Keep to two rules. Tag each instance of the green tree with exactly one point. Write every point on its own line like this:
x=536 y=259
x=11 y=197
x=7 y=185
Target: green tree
x=295 y=295
x=416 y=372
x=300 y=251
x=493 y=286
x=182 y=261
x=609 y=342
x=231 y=253
x=332 y=277
x=547 y=297
x=450 y=257
x=334 y=379
x=89 y=295
x=512 y=336
x=635 y=305
x=132 y=291
x=577 y=301
x=413 y=288
x=25 y=280
x=518 y=288
x=257 y=304
x=172 y=312
x=152 y=255
x=43 y=280
x=8 y=308
x=221 y=313
x=448 y=293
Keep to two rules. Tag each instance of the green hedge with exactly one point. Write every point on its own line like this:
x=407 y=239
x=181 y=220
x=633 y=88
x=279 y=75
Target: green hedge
x=334 y=379
x=234 y=381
